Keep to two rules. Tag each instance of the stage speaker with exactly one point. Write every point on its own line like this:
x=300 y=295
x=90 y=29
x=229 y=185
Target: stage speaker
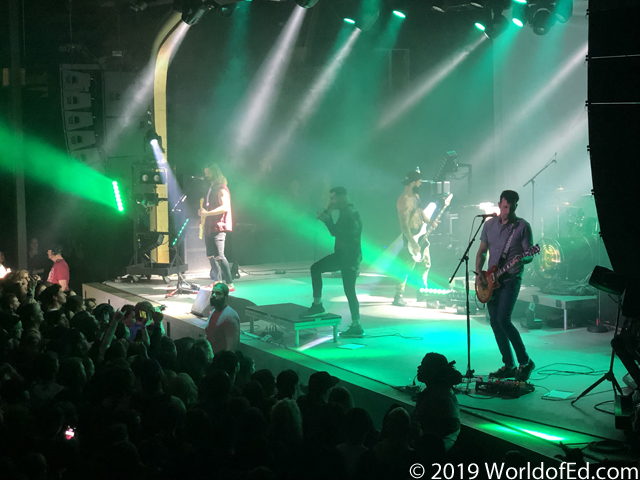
x=614 y=122
x=201 y=307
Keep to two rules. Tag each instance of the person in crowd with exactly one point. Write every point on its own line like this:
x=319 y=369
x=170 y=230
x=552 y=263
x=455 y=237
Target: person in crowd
x=358 y=425
x=287 y=384
x=73 y=306
x=9 y=302
x=90 y=304
x=437 y=410
x=35 y=259
x=59 y=272
x=4 y=270
x=52 y=298
x=246 y=369
x=223 y=326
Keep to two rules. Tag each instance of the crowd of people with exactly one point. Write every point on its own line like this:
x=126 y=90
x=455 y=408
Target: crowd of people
x=89 y=392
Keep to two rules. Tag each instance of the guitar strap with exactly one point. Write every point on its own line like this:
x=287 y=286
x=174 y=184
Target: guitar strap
x=503 y=256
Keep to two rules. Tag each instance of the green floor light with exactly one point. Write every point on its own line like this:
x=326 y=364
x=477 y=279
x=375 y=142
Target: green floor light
x=399 y=14
x=350 y=21
x=480 y=27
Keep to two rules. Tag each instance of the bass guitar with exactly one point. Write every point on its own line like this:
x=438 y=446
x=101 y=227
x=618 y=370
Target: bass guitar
x=484 y=292
x=426 y=230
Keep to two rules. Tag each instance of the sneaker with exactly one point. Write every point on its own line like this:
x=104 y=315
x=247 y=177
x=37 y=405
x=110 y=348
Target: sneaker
x=524 y=371
x=232 y=288
x=398 y=301
x=316 y=310
x=355 y=331
x=504 y=372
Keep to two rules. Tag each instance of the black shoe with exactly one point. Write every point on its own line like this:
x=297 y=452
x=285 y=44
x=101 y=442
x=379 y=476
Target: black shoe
x=504 y=372
x=524 y=372
x=316 y=310
x=398 y=301
x=355 y=331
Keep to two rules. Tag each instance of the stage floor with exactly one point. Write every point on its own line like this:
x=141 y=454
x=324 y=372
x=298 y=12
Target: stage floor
x=397 y=339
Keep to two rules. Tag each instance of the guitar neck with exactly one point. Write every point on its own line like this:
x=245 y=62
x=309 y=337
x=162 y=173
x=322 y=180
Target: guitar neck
x=511 y=263
x=431 y=227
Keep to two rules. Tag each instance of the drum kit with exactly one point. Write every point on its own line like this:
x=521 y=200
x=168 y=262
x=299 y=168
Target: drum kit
x=572 y=255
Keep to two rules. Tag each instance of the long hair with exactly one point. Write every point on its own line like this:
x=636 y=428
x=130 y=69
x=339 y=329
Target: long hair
x=217 y=176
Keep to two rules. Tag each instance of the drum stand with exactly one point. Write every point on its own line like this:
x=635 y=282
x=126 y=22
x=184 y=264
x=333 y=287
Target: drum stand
x=609 y=375
x=465 y=258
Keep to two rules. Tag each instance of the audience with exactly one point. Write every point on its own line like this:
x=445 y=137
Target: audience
x=89 y=392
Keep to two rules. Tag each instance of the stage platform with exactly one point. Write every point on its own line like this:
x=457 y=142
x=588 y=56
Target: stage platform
x=378 y=367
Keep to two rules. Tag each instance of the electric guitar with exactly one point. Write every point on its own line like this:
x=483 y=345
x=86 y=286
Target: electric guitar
x=484 y=292
x=201 y=234
x=427 y=229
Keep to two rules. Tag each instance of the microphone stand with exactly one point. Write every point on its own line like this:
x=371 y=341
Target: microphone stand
x=465 y=259
x=532 y=181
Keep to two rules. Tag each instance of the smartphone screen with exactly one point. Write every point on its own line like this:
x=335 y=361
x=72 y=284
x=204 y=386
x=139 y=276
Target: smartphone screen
x=70 y=433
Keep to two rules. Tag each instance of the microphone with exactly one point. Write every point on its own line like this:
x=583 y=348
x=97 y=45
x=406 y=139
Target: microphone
x=197 y=178
x=487 y=215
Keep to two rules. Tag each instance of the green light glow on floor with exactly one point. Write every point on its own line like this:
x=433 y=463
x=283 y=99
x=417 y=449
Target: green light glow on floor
x=47 y=165
x=514 y=430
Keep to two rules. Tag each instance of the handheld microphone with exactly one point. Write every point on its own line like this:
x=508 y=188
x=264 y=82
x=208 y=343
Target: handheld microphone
x=487 y=215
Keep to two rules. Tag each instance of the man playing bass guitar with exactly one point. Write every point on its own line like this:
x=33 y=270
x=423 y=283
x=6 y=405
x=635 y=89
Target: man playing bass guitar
x=505 y=237
x=411 y=218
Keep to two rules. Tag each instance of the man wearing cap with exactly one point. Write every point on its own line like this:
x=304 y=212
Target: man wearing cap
x=411 y=218
x=223 y=327
x=346 y=258
x=60 y=271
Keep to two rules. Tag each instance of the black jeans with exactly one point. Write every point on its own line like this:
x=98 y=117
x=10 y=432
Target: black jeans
x=219 y=264
x=416 y=272
x=500 y=308
x=333 y=263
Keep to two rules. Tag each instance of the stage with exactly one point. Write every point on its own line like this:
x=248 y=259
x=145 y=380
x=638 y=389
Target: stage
x=378 y=367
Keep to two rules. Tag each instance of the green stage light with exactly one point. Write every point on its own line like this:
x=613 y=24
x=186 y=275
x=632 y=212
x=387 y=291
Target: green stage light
x=518 y=22
x=480 y=27
x=116 y=193
x=350 y=21
x=524 y=2
x=175 y=240
x=399 y=14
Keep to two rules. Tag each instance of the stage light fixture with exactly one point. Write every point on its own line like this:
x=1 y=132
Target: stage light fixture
x=439 y=6
x=540 y=17
x=518 y=14
x=498 y=25
x=563 y=10
x=116 y=193
x=521 y=2
x=480 y=26
x=306 y=3
x=350 y=21
x=399 y=14
x=149 y=241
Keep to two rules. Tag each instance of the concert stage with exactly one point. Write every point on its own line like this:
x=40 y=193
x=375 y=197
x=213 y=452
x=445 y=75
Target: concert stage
x=376 y=366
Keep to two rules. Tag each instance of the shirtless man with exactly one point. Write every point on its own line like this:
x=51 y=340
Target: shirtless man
x=411 y=218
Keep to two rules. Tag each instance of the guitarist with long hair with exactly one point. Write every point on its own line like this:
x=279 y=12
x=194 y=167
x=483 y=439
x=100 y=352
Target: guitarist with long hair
x=505 y=237
x=215 y=213
x=411 y=218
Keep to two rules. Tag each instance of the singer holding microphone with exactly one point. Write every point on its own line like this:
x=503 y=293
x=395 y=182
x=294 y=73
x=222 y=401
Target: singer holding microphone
x=505 y=237
x=347 y=256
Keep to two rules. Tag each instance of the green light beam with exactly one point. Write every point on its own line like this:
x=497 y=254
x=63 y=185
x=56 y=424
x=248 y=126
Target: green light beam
x=44 y=164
